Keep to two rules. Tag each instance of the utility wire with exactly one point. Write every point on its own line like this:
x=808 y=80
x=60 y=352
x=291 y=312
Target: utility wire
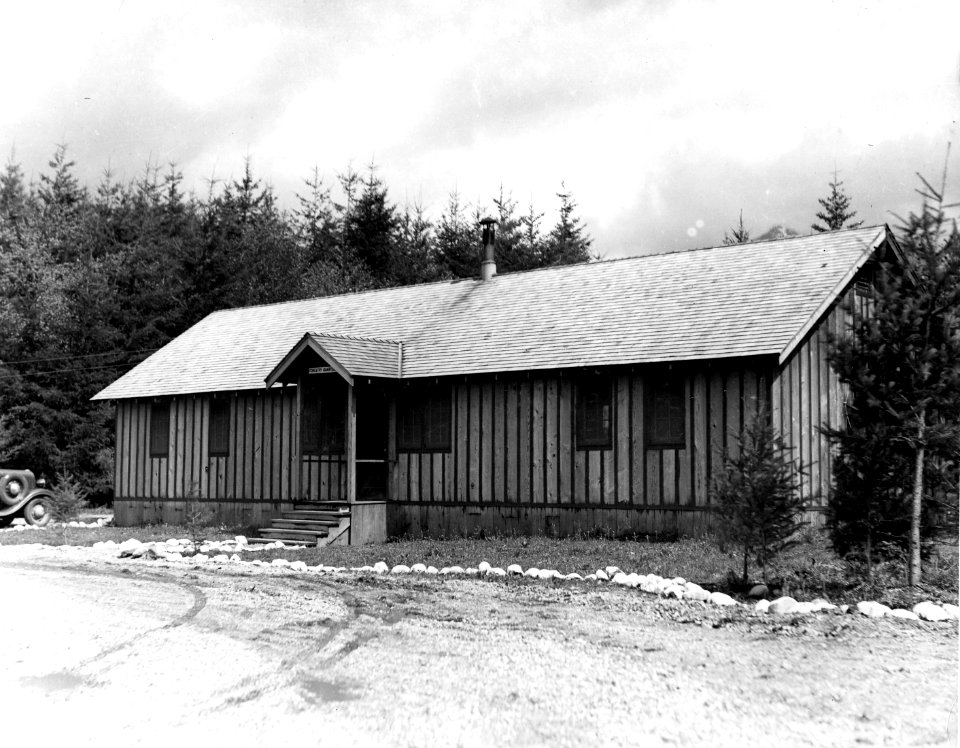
x=63 y=371
x=64 y=358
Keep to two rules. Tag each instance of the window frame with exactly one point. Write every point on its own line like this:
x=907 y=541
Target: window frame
x=159 y=446
x=655 y=386
x=217 y=429
x=425 y=419
x=587 y=434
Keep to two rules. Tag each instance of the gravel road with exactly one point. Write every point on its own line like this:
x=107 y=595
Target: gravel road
x=113 y=652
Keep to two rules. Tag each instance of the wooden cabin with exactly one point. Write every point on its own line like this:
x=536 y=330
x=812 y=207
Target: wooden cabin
x=593 y=397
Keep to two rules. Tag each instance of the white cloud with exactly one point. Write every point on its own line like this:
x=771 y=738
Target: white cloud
x=204 y=62
x=631 y=104
x=42 y=47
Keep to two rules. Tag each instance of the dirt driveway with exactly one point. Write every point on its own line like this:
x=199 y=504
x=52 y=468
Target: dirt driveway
x=114 y=652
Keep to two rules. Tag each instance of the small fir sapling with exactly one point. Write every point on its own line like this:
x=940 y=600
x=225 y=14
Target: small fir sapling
x=196 y=518
x=758 y=494
x=68 y=499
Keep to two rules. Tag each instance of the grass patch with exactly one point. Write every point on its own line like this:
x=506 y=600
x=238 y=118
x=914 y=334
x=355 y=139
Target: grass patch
x=806 y=571
x=87 y=536
x=688 y=558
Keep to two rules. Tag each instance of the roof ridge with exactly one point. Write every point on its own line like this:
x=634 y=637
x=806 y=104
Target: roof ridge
x=756 y=241
x=365 y=338
x=513 y=273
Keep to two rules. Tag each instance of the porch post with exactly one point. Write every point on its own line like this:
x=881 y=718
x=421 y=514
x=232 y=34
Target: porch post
x=297 y=447
x=351 y=437
x=393 y=471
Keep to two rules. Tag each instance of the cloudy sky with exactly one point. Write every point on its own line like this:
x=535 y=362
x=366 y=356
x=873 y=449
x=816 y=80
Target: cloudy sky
x=664 y=118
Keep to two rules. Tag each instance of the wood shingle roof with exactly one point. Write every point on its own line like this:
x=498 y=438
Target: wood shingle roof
x=351 y=356
x=741 y=300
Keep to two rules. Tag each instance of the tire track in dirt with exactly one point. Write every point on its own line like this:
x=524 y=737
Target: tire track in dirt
x=310 y=647
x=198 y=596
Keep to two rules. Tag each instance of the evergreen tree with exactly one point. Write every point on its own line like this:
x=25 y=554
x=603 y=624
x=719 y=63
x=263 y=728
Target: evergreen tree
x=315 y=223
x=531 y=241
x=62 y=201
x=738 y=235
x=457 y=241
x=568 y=241
x=319 y=229
x=13 y=192
x=902 y=365
x=415 y=260
x=350 y=182
x=246 y=252
x=835 y=213
x=370 y=231
x=510 y=255
x=160 y=231
x=757 y=494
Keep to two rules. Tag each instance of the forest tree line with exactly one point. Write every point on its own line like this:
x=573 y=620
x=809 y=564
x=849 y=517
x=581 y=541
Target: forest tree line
x=95 y=279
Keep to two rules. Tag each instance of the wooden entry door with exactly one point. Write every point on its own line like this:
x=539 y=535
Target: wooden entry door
x=373 y=428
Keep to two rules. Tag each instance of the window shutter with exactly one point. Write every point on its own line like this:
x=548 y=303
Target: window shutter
x=218 y=434
x=160 y=430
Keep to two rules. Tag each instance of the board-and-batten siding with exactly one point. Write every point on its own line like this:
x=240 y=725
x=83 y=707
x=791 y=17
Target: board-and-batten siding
x=246 y=486
x=514 y=463
x=808 y=397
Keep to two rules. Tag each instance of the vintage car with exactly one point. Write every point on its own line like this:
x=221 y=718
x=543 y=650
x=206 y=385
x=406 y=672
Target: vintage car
x=22 y=495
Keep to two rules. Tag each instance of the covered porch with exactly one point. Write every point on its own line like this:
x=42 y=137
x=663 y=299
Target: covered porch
x=345 y=438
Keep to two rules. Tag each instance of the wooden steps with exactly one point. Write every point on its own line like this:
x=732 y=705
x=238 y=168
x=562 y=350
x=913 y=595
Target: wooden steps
x=310 y=523
x=303 y=523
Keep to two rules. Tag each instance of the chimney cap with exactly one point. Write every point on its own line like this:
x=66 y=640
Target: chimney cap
x=488 y=220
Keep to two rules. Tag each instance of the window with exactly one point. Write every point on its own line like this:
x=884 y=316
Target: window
x=159 y=429
x=866 y=283
x=323 y=420
x=218 y=433
x=594 y=413
x=665 y=412
x=424 y=417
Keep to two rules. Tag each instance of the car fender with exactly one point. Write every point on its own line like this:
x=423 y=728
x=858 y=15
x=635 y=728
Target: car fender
x=38 y=492
x=6 y=511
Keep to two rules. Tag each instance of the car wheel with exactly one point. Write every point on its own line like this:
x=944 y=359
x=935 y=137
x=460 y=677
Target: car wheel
x=11 y=489
x=37 y=511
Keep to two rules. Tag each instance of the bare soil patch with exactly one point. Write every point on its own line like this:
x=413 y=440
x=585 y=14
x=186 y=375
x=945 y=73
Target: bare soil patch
x=138 y=652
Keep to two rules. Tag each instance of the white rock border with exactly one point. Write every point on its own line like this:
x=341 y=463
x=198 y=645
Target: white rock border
x=20 y=525
x=172 y=551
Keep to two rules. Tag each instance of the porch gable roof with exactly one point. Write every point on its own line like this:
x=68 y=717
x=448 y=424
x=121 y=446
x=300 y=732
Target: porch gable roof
x=349 y=356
